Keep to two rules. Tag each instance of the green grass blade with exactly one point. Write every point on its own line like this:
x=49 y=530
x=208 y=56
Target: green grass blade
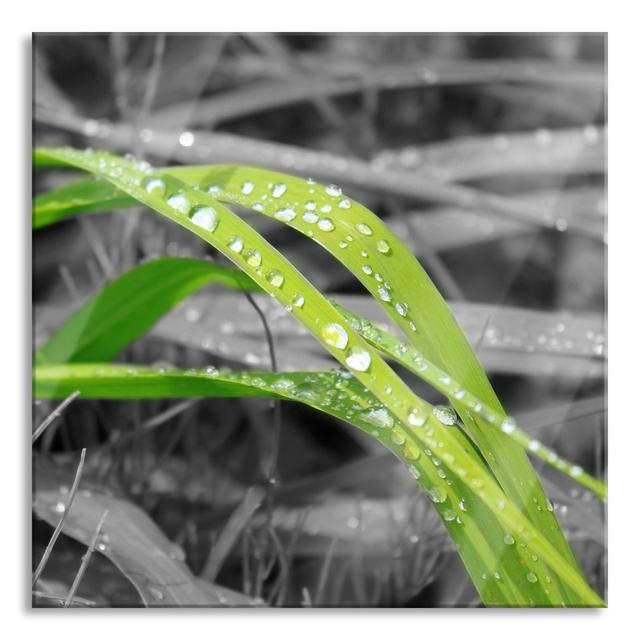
x=415 y=427
x=343 y=396
x=128 y=307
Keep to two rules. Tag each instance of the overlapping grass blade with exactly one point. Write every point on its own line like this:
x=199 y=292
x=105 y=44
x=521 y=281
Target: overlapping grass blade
x=415 y=426
x=126 y=309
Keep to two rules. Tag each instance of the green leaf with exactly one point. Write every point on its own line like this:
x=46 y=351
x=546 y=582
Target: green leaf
x=491 y=514
x=128 y=307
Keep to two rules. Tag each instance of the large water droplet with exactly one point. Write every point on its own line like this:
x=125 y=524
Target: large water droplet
x=155 y=186
x=417 y=417
x=437 y=494
x=335 y=335
x=204 y=217
x=278 y=190
x=379 y=418
x=285 y=215
x=401 y=308
x=326 y=224
x=310 y=217
x=383 y=246
x=247 y=187
x=358 y=359
x=384 y=294
x=345 y=203
x=364 y=229
x=445 y=415
x=333 y=190
x=179 y=202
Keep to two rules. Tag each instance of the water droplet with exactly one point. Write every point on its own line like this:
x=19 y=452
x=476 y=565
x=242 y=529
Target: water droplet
x=335 y=335
x=333 y=190
x=211 y=371
x=278 y=190
x=532 y=577
x=345 y=203
x=179 y=202
x=59 y=507
x=417 y=417
x=379 y=418
x=358 y=359
x=276 y=278
x=247 y=187
x=575 y=471
x=445 y=415
x=155 y=186
x=534 y=445
x=156 y=593
x=367 y=269
x=353 y=522
x=285 y=215
x=204 y=217
x=383 y=246
x=310 y=217
x=236 y=244
x=508 y=425
x=401 y=308
x=310 y=205
x=364 y=229
x=508 y=539
x=384 y=294
x=449 y=515
x=437 y=494
x=186 y=138
x=253 y=258
x=298 y=300
x=326 y=224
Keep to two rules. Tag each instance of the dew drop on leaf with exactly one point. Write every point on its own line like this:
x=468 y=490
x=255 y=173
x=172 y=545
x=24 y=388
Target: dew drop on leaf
x=326 y=224
x=235 y=244
x=278 y=190
x=285 y=215
x=335 y=335
x=155 y=186
x=358 y=359
x=364 y=229
x=275 y=278
x=179 y=202
x=204 y=217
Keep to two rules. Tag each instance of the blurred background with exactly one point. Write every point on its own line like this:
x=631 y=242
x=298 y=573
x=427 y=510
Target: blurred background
x=485 y=153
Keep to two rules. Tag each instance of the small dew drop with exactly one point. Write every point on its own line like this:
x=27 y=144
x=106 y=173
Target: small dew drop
x=276 y=279
x=417 y=417
x=532 y=577
x=247 y=187
x=254 y=258
x=326 y=224
x=298 y=300
x=186 y=139
x=444 y=415
x=285 y=215
x=401 y=308
x=345 y=203
x=235 y=244
x=384 y=294
x=155 y=186
x=278 y=190
x=508 y=539
x=333 y=190
x=383 y=246
x=364 y=229
x=310 y=217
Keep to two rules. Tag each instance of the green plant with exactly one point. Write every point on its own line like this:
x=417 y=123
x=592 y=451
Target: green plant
x=470 y=459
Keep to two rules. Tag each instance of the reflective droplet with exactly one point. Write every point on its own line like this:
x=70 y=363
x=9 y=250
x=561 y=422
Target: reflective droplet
x=364 y=229
x=367 y=269
x=401 y=308
x=275 y=278
x=445 y=415
x=508 y=539
x=335 y=335
x=236 y=244
x=384 y=294
x=310 y=205
x=186 y=139
x=378 y=418
x=326 y=224
x=414 y=471
x=156 y=593
x=254 y=258
x=333 y=190
x=247 y=187
x=278 y=190
x=179 y=202
x=59 y=507
x=417 y=417
x=298 y=300
x=508 y=425
x=155 y=186
x=532 y=577
x=345 y=203
x=437 y=494
x=383 y=246
x=285 y=215
x=310 y=217
x=358 y=359
x=204 y=217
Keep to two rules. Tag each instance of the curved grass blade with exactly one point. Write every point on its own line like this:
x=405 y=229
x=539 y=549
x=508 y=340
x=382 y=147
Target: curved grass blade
x=440 y=380
x=341 y=395
x=132 y=541
x=127 y=308
x=221 y=228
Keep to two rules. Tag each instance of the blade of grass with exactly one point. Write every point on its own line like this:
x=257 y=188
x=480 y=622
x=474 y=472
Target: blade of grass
x=417 y=426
